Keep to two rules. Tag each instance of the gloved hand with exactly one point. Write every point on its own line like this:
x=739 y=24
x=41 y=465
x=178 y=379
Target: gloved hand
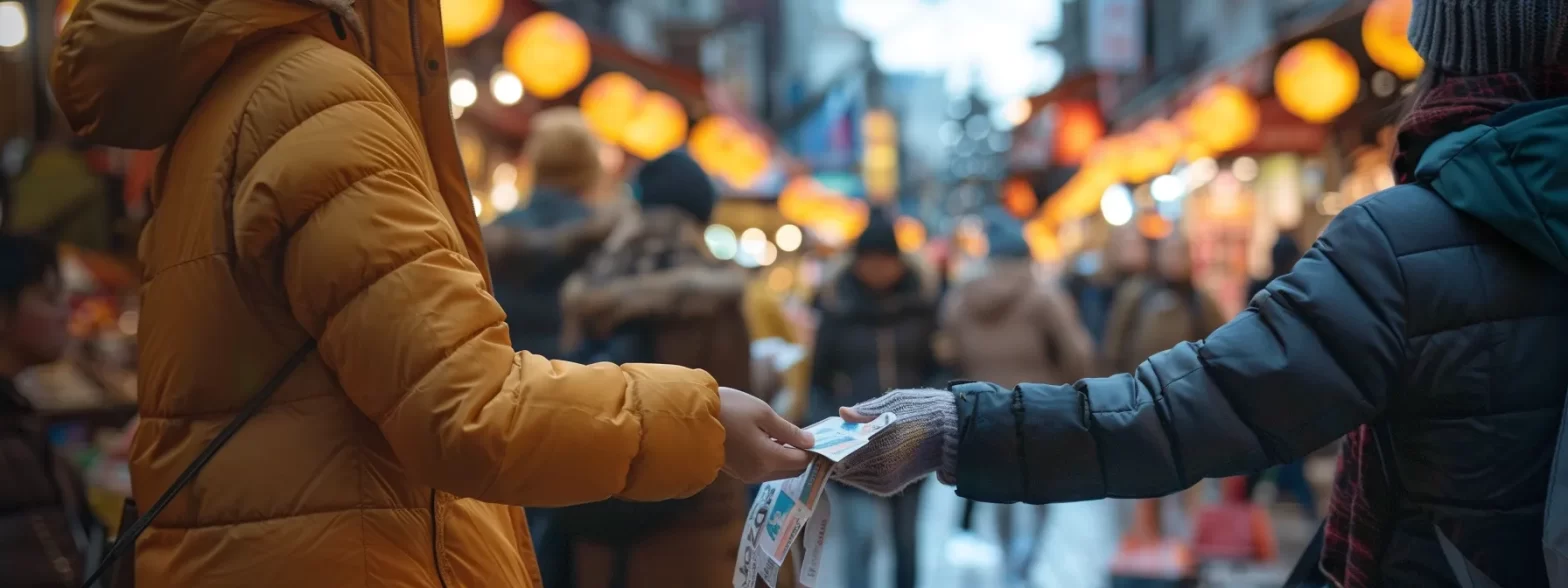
x=924 y=439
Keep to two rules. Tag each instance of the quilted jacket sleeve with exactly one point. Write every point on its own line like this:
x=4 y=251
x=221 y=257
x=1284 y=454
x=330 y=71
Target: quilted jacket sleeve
x=374 y=269
x=1315 y=355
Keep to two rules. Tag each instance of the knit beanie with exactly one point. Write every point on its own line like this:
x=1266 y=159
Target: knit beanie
x=1479 y=37
x=1007 y=242
x=676 y=181
x=879 y=236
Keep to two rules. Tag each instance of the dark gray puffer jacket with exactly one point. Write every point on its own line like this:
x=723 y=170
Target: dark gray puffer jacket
x=1441 y=310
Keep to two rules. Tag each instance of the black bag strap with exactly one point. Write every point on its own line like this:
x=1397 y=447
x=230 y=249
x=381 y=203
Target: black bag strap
x=128 y=535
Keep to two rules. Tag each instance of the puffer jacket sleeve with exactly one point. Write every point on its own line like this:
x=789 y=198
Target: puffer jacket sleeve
x=374 y=269
x=1315 y=355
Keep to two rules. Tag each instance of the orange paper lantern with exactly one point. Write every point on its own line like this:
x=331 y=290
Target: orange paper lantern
x=1041 y=237
x=726 y=149
x=462 y=21
x=1223 y=117
x=658 y=126
x=1317 y=80
x=1019 y=199
x=609 y=102
x=549 y=53
x=1078 y=128
x=1383 y=32
x=910 y=234
x=1157 y=146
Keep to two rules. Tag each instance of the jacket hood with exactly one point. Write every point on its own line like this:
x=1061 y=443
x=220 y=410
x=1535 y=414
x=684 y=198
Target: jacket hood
x=989 y=298
x=1508 y=173
x=128 y=72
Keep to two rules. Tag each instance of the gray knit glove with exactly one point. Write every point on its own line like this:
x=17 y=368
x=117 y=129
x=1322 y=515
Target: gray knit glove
x=924 y=439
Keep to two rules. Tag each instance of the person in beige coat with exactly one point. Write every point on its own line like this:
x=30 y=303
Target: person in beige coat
x=1010 y=326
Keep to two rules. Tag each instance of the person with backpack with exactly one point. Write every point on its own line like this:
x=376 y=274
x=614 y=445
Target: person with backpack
x=1426 y=325
x=655 y=293
x=328 y=392
x=876 y=331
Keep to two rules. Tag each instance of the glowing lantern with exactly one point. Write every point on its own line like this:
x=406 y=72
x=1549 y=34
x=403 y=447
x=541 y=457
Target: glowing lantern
x=726 y=149
x=1317 y=80
x=1042 y=241
x=1383 y=33
x=1157 y=145
x=1078 y=128
x=910 y=234
x=1108 y=156
x=462 y=21
x=1019 y=198
x=658 y=125
x=749 y=157
x=1222 y=117
x=1154 y=227
x=609 y=102
x=801 y=200
x=549 y=53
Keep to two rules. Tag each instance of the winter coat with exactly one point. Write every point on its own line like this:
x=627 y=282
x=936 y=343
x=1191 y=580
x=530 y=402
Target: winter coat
x=1011 y=327
x=656 y=279
x=43 y=516
x=311 y=189
x=546 y=242
x=868 y=342
x=1149 y=316
x=1440 y=312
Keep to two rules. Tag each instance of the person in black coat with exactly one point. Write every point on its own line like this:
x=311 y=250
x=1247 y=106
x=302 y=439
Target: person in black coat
x=1426 y=326
x=877 y=320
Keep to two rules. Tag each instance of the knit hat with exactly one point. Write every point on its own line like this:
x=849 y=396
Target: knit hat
x=676 y=181
x=1478 y=37
x=879 y=236
x=1007 y=242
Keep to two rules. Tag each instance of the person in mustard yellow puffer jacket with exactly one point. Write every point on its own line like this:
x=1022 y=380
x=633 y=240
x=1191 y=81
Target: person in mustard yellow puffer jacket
x=311 y=190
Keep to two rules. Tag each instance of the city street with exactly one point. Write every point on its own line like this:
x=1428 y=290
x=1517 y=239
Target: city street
x=1080 y=541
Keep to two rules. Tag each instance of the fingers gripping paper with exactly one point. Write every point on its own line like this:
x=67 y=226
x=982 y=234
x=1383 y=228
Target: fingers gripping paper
x=784 y=508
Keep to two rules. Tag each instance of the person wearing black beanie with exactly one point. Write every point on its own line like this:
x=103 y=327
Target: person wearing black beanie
x=878 y=237
x=877 y=327
x=676 y=181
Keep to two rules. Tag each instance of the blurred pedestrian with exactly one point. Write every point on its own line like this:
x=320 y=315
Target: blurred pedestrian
x=656 y=294
x=1158 y=309
x=313 y=226
x=46 y=527
x=1095 y=276
x=533 y=250
x=878 y=320
x=1426 y=325
x=1009 y=326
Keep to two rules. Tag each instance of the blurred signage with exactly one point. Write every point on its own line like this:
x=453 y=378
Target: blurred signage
x=1116 y=35
x=879 y=161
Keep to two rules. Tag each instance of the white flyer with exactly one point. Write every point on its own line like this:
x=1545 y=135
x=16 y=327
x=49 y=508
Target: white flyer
x=784 y=508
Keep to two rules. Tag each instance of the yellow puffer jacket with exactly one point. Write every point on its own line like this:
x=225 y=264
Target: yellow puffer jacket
x=312 y=189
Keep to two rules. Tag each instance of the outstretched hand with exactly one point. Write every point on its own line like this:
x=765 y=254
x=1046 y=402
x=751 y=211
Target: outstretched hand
x=755 y=440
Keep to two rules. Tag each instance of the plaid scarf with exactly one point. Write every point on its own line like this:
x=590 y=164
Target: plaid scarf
x=1361 y=508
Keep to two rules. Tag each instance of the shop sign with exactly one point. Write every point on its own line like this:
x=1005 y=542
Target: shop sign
x=1116 y=35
